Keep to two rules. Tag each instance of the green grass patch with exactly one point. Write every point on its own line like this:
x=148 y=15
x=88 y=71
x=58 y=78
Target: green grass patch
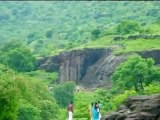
x=127 y=46
x=82 y=101
x=46 y=77
x=99 y=43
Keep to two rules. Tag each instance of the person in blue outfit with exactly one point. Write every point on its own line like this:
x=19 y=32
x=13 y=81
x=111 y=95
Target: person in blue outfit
x=96 y=112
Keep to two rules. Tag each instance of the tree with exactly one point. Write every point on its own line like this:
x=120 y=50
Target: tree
x=28 y=112
x=64 y=93
x=18 y=57
x=8 y=95
x=11 y=45
x=31 y=37
x=128 y=27
x=49 y=34
x=24 y=98
x=136 y=73
x=95 y=33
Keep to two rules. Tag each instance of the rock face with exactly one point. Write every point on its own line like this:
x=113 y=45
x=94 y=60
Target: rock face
x=138 y=108
x=50 y=64
x=134 y=37
x=86 y=67
x=152 y=54
x=74 y=65
x=99 y=73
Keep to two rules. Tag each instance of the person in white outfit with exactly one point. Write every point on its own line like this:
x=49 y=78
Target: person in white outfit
x=100 y=107
x=70 y=111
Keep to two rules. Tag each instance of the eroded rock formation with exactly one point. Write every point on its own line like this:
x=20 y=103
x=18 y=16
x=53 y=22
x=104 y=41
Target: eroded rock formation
x=74 y=65
x=134 y=37
x=138 y=108
x=88 y=67
x=155 y=54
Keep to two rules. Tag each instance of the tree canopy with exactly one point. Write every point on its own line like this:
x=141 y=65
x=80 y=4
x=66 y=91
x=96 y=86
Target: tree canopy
x=136 y=73
x=64 y=93
x=18 y=57
x=128 y=27
x=24 y=98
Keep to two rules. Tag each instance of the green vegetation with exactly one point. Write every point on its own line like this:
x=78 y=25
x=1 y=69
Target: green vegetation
x=17 y=57
x=30 y=30
x=127 y=46
x=110 y=99
x=125 y=78
x=47 y=31
x=95 y=33
x=128 y=27
x=48 y=78
x=64 y=93
x=136 y=73
x=24 y=98
x=82 y=101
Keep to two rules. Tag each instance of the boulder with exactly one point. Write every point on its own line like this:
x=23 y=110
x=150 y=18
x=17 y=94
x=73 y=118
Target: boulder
x=140 y=107
x=155 y=54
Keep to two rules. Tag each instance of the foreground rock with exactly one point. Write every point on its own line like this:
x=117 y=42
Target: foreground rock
x=138 y=108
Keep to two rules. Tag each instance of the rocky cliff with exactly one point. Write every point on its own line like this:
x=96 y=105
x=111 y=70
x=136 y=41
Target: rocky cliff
x=88 y=67
x=155 y=54
x=74 y=65
x=138 y=108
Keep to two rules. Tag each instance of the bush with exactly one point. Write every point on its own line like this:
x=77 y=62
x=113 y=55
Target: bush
x=31 y=37
x=117 y=100
x=28 y=112
x=136 y=73
x=49 y=34
x=18 y=57
x=128 y=27
x=153 y=88
x=64 y=93
x=95 y=33
x=24 y=98
x=82 y=102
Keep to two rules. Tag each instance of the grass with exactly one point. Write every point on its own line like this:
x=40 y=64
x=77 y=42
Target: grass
x=46 y=77
x=82 y=101
x=137 y=45
x=102 y=42
x=154 y=28
x=120 y=47
x=123 y=46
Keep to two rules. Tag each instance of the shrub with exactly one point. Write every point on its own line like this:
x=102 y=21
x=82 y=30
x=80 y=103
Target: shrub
x=128 y=27
x=136 y=73
x=49 y=34
x=64 y=93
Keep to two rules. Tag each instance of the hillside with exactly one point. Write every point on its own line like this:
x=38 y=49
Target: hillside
x=50 y=27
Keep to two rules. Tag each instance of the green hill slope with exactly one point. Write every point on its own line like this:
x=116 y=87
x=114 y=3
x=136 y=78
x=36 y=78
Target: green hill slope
x=50 y=27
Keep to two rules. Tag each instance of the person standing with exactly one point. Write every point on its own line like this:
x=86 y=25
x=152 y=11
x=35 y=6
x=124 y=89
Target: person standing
x=100 y=107
x=91 y=107
x=70 y=111
x=96 y=112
